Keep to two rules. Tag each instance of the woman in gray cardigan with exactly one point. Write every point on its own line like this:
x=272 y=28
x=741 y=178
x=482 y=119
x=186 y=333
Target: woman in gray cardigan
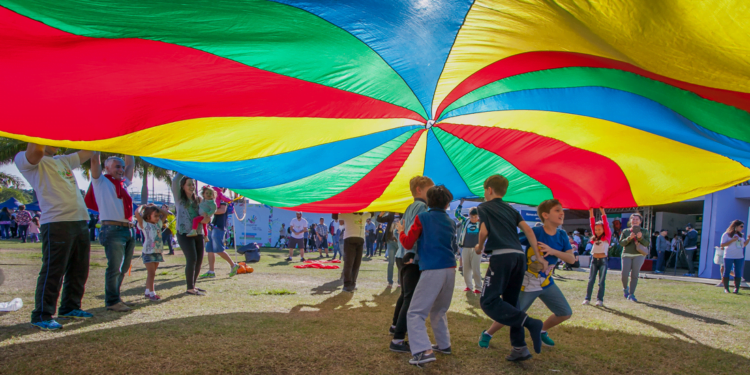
x=186 y=208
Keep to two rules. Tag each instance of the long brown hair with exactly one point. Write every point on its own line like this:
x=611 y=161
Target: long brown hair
x=183 y=196
x=732 y=230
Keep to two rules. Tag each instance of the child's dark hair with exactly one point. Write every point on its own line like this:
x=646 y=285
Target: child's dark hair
x=473 y=212
x=147 y=212
x=546 y=206
x=498 y=183
x=439 y=197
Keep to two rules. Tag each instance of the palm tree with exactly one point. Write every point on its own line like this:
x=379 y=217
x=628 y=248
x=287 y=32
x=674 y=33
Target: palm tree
x=10 y=147
x=7 y=180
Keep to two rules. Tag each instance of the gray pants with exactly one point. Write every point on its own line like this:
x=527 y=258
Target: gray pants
x=392 y=249
x=472 y=264
x=631 y=267
x=432 y=296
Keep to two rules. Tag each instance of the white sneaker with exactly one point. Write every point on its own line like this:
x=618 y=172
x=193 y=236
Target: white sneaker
x=585 y=302
x=600 y=303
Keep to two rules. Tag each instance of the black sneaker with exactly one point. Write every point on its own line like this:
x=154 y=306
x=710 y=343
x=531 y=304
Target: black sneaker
x=392 y=330
x=302 y=260
x=519 y=354
x=289 y=259
x=441 y=351
x=421 y=358
x=400 y=348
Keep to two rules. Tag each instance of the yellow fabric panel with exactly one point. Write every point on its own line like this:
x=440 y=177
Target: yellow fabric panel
x=397 y=195
x=214 y=139
x=658 y=169
x=701 y=42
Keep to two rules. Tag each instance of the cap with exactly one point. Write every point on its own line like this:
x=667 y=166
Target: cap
x=576 y=232
x=689 y=225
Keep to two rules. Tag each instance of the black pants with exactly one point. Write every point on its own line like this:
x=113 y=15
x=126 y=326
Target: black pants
x=400 y=301
x=192 y=247
x=689 y=259
x=92 y=234
x=502 y=286
x=166 y=238
x=409 y=279
x=381 y=245
x=65 y=260
x=352 y=261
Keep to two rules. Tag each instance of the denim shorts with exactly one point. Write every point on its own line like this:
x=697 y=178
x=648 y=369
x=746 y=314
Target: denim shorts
x=152 y=258
x=216 y=245
x=552 y=298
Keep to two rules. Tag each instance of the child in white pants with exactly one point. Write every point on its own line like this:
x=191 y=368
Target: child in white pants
x=468 y=237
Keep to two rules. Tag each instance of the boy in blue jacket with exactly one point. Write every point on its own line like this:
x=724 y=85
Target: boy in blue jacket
x=436 y=232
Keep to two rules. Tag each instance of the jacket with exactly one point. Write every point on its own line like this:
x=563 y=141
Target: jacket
x=436 y=232
x=628 y=245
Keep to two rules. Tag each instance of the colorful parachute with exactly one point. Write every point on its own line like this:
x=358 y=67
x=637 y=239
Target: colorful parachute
x=332 y=106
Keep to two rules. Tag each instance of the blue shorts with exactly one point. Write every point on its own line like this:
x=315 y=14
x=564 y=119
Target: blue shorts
x=552 y=298
x=152 y=258
x=216 y=245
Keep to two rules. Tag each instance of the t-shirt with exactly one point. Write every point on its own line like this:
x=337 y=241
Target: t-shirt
x=321 y=231
x=55 y=185
x=471 y=234
x=370 y=229
x=501 y=221
x=220 y=220
x=110 y=207
x=299 y=226
x=152 y=237
x=535 y=278
x=354 y=225
x=23 y=217
x=733 y=250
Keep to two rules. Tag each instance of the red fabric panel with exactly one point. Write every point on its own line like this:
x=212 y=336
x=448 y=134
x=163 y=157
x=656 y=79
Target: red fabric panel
x=535 y=61
x=369 y=188
x=147 y=83
x=580 y=179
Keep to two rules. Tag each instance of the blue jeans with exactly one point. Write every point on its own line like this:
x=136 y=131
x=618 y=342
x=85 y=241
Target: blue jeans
x=216 y=245
x=738 y=264
x=5 y=231
x=598 y=265
x=118 y=245
x=337 y=249
x=660 y=260
x=22 y=232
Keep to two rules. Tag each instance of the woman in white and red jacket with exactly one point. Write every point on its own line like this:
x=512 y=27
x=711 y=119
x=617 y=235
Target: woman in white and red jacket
x=599 y=253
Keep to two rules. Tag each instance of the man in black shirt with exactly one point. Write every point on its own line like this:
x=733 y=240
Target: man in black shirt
x=502 y=284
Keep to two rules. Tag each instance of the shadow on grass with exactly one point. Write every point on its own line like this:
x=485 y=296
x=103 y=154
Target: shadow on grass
x=686 y=314
x=674 y=332
x=336 y=328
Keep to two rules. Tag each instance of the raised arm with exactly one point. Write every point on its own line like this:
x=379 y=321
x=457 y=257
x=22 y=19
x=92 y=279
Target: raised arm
x=34 y=153
x=96 y=166
x=176 y=186
x=129 y=167
x=84 y=155
x=138 y=216
x=457 y=213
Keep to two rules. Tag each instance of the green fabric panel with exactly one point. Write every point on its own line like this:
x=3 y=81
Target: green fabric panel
x=475 y=164
x=714 y=116
x=265 y=35
x=329 y=182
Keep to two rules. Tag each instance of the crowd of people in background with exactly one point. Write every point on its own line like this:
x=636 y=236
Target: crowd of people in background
x=19 y=223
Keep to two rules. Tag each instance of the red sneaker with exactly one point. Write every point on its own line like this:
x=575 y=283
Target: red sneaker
x=477 y=291
x=467 y=290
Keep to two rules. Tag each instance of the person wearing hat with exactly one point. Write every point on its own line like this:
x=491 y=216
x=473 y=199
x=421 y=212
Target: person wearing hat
x=691 y=245
x=298 y=227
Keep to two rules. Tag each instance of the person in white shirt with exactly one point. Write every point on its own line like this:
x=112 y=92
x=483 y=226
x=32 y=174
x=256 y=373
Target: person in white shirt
x=298 y=226
x=116 y=217
x=65 y=233
x=354 y=240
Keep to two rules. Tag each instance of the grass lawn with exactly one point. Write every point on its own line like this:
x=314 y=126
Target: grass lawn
x=282 y=320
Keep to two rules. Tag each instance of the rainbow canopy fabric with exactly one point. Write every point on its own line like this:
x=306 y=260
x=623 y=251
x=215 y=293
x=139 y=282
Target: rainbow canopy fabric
x=332 y=106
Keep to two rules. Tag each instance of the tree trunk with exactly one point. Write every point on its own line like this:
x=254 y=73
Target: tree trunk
x=144 y=188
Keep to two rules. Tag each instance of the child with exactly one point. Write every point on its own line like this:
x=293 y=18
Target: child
x=599 y=252
x=408 y=266
x=34 y=230
x=206 y=209
x=468 y=237
x=538 y=282
x=220 y=197
x=437 y=264
x=150 y=219
x=505 y=275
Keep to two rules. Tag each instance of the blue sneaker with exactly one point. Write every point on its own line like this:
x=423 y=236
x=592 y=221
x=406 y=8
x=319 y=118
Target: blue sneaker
x=48 y=325
x=546 y=341
x=631 y=298
x=625 y=293
x=657 y=272
x=76 y=314
x=484 y=340
x=689 y=275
